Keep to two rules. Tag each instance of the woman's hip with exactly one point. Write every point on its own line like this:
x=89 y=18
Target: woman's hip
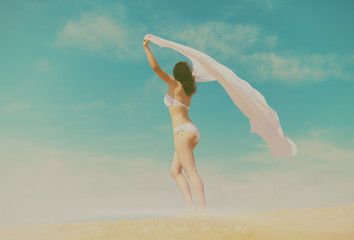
x=187 y=127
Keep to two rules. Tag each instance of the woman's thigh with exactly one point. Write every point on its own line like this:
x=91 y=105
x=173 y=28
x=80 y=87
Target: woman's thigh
x=176 y=166
x=184 y=145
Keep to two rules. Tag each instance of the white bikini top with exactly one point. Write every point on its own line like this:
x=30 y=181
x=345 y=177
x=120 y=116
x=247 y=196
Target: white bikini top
x=169 y=101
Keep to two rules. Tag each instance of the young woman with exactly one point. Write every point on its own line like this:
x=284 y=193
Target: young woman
x=186 y=135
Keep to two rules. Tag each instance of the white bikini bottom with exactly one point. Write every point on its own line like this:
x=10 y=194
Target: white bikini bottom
x=187 y=127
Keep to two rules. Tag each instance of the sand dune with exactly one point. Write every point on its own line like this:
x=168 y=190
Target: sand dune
x=317 y=223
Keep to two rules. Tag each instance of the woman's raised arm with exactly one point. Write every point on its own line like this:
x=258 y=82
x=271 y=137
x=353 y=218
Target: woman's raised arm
x=155 y=66
x=153 y=63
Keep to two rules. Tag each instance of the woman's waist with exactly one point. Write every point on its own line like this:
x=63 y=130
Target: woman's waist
x=179 y=121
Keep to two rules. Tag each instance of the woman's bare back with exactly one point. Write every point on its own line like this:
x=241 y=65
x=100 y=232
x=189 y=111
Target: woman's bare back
x=179 y=114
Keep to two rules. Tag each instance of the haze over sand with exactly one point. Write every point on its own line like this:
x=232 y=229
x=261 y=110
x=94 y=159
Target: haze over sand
x=316 y=223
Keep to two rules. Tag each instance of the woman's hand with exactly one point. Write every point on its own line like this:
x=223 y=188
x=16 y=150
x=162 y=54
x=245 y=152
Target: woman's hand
x=146 y=42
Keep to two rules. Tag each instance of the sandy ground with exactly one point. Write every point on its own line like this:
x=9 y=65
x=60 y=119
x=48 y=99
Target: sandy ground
x=317 y=223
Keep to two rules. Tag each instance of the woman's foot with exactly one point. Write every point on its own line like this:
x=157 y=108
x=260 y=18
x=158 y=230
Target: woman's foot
x=187 y=212
x=203 y=212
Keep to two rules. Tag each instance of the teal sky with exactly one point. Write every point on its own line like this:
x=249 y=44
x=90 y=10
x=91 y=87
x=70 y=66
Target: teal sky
x=84 y=131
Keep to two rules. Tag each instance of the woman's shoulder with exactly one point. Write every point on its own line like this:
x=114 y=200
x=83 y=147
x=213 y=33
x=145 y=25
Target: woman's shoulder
x=178 y=89
x=176 y=85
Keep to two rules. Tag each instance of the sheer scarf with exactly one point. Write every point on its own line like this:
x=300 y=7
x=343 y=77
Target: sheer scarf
x=263 y=119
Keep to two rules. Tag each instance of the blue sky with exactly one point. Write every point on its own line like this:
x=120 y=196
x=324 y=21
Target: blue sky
x=84 y=131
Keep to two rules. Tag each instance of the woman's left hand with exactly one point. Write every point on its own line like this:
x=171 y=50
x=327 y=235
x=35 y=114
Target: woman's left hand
x=146 y=42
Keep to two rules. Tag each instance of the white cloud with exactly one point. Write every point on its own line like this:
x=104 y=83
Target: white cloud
x=298 y=68
x=43 y=65
x=247 y=46
x=235 y=8
x=44 y=185
x=14 y=105
x=80 y=107
x=128 y=106
x=47 y=185
x=264 y=190
x=154 y=85
x=103 y=33
x=254 y=49
x=50 y=130
x=223 y=39
x=165 y=127
x=320 y=175
x=268 y=4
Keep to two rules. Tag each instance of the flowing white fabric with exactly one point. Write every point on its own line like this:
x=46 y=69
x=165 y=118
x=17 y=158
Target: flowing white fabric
x=263 y=119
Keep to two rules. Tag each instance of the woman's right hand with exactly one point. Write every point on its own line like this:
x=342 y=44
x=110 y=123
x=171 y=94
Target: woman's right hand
x=146 y=42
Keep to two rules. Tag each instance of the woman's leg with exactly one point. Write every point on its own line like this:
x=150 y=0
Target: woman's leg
x=176 y=172
x=184 y=148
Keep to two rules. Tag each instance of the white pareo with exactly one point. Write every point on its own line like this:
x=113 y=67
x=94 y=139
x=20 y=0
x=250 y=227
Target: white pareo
x=263 y=119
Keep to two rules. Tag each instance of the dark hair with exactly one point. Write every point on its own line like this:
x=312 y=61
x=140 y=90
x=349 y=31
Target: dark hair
x=182 y=72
